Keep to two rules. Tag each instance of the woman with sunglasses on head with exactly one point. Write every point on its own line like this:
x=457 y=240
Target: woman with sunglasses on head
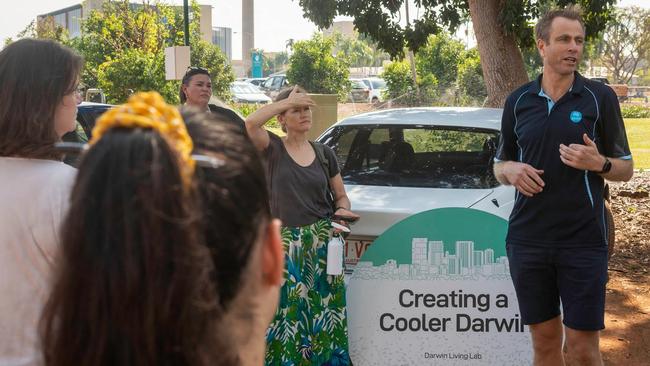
x=38 y=105
x=167 y=259
x=196 y=91
x=310 y=326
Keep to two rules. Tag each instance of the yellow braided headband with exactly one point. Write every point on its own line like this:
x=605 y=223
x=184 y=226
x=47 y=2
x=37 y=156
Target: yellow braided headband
x=149 y=110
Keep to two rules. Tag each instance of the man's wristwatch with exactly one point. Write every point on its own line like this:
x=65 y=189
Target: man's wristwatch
x=606 y=167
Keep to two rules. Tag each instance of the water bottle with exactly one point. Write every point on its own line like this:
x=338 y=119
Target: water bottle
x=335 y=256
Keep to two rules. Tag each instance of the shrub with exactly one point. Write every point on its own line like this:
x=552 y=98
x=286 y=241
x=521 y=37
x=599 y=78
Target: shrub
x=635 y=111
x=313 y=67
x=401 y=89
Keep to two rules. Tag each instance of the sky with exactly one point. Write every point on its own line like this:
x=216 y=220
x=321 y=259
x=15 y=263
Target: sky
x=275 y=20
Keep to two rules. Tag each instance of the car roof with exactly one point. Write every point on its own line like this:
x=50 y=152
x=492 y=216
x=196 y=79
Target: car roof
x=489 y=118
x=93 y=104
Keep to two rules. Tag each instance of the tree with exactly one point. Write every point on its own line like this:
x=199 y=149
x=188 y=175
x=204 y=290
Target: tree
x=625 y=42
x=358 y=53
x=43 y=28
x=470 y=83
x=123 y=46
x=401 y=88
x=313 y=67
x=440 y=57
x=502 y=27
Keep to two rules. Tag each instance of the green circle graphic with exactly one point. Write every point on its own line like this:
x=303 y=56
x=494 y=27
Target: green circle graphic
x=448 y=225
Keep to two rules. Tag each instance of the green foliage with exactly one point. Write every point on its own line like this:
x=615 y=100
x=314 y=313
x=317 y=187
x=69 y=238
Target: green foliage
x=398 y=79
x=446 y=140
x=245 y=109
x=635 y=111
x=357 y=51
x=440 y=57
x=380 y=19
x=123 y=46
x=401 y=88
x=471 y=86
x=135 y=70
x=313 y=67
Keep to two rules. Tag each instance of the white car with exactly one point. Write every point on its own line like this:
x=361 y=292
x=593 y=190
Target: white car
x=399 y=162
x=244 y=92
x=377 y=86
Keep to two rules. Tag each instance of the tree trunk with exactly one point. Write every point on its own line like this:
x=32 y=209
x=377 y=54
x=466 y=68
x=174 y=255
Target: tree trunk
x=501 y=60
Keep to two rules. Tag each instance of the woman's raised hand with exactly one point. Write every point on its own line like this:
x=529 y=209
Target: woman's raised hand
x=299 y=99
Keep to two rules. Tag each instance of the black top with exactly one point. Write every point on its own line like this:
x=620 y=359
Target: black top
x=229 y=116
x=298 y=194
x=569 y=212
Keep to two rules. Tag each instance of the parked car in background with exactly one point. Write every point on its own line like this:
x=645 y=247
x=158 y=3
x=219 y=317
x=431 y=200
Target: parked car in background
x=256 y=81
x=396 y=163
x=87 y=114
x=244 y=92
x=359 y=91
x=377 y=87
x=274 y=84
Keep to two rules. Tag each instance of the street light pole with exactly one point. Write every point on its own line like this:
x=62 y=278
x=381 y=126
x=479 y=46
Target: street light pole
x=186 y=17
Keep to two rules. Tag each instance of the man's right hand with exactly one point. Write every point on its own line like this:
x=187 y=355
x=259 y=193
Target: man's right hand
x=526 y=179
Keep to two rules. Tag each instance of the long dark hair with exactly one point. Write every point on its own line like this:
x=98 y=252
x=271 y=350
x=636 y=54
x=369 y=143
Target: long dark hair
x=191 y=71
x=133 y=284
x=237 y=188
x=147 y=268
x=35 y=76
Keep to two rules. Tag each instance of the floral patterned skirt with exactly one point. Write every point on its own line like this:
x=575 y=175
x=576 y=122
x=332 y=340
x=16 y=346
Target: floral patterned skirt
x=310 y=326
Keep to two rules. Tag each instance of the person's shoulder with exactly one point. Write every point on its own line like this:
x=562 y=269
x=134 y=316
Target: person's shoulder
x=517 y=93
x=57 y=171
x=600 y=89
x=56 y=174
x=275 y=141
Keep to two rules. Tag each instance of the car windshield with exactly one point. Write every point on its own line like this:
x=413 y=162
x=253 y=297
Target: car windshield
x=245 y=89
x=414 y=156
x=378 y=84
x=358 y=84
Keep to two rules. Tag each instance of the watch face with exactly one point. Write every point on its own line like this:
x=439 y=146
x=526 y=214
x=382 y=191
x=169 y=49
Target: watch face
x=607 y=166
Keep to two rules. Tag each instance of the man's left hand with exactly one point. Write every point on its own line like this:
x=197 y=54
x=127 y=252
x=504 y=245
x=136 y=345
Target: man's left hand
x=582 y=157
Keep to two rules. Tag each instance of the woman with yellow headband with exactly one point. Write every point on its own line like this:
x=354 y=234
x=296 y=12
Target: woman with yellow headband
x=164 y=261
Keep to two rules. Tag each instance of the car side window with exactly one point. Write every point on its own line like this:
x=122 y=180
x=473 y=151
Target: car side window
x=343 y=147
x=277 y=82
x=267 y=84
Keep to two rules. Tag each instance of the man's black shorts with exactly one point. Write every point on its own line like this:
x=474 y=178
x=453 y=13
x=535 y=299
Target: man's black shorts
x=575 y=276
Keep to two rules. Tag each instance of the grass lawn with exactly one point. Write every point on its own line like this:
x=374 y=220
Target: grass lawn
x=638 y=135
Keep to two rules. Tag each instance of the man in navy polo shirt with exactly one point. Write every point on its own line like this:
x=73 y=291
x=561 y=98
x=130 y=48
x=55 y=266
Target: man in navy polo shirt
x=561 y=135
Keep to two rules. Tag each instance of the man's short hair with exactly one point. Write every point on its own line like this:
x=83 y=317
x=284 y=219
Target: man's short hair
x=543 y=26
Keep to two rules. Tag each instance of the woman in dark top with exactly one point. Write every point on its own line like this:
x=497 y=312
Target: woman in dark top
x=196 y=91
x=310 y=326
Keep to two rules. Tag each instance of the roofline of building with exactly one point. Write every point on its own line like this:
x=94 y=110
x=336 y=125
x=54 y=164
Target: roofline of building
x=61 y=11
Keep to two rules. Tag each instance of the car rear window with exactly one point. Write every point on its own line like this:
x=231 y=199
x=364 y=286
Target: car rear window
x=415 y=156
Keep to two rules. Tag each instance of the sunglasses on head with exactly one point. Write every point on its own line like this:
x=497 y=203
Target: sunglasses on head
x=196 y=68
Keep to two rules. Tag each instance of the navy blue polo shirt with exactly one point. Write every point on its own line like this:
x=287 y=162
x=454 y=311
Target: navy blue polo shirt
x=570 y=210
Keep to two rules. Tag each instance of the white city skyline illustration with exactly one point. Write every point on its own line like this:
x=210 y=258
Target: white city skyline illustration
x=429 y=260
